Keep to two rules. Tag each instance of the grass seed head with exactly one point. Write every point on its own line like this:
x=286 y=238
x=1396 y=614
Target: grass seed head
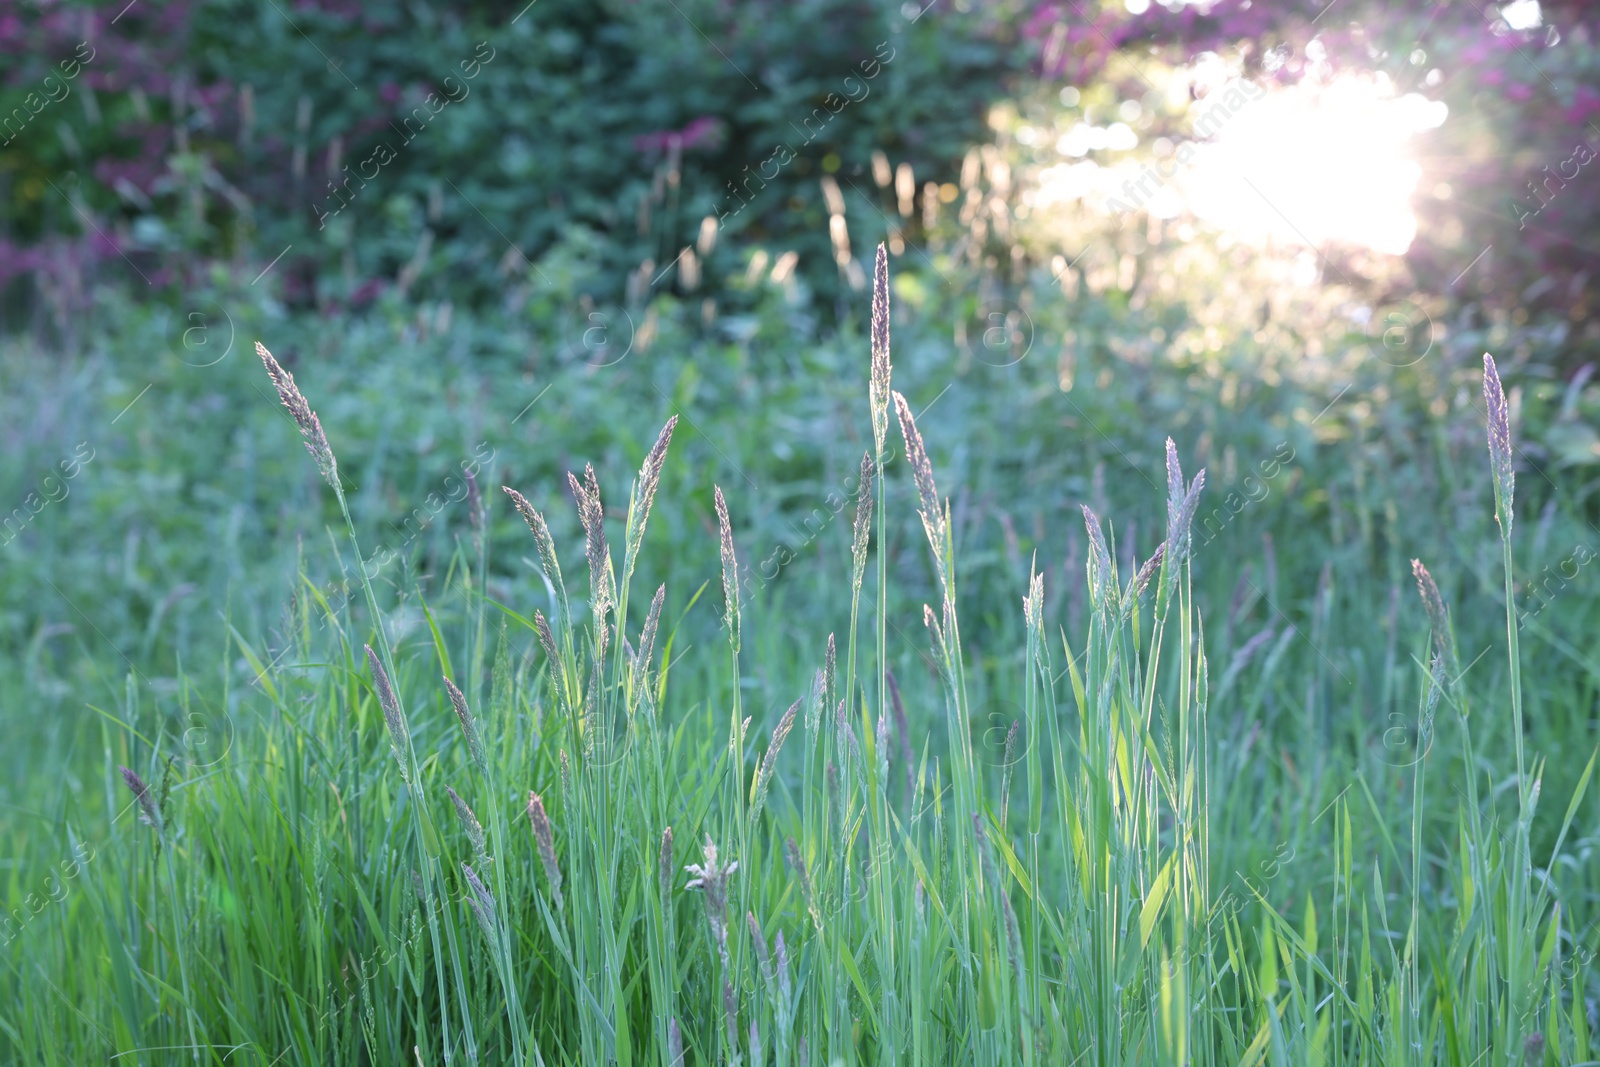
x=769 y=762
x=878 y=384
x=1505 y=479
x=711 y=878
x=469 y=727
x=1438 y=617
x=1100 y=580
x=547 y=843
x=304 y=417
x=592 y=513
x=797 y=864
x=149 y=812
x=730 y=570
x=1148 y=571
x=481 y=902
x=399 y=736
x=645 y=488
x=545 y=543
x=863 y=526
x=469 y=824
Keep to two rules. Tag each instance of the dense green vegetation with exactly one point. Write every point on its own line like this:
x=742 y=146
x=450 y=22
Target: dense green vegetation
x=1275 y=875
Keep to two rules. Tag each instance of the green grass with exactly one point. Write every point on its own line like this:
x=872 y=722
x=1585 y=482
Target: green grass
x=1239 y=820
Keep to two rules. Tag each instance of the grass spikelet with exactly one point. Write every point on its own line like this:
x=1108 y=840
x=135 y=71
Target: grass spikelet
x=1100 y=576
x=149 y=812
x=1141 y=581
x=546 y=545
x=878 y=385
x=644 y=493
x=769 y=762
x=1438 y=617
x=830 y=661
x=711 y=878
x=930 y=507
x=730 y=570
x=652 y=619
x=399 y=736
x=547 y=843
x=1505 y=479
x=304 y=417
x=921 y=468
x=481 y=901
x=797 y=864
x=863 y=526
x=469 y=727
x=592 y=513
x=471 y=826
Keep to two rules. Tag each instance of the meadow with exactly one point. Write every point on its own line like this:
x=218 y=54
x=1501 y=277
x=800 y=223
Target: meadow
x=635 y=716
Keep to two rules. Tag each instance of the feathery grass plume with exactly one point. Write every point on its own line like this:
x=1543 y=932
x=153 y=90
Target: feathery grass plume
x=473 y=828
x=547 y=641
x=1141 y=581
x=711 y=878
x=901 y=730
x=1099 y=559
x=780 y=953
x=1181 y=505
x=546 y=545
x=674 y=1044
x=1438 y=618
x=863 y=527
x=481 y=901
x=1505 y=479
x=1174 y=478
x=797 y=864
x=644 y=492
x=304 y=417
x=878 y=385
x=593 y=515
x=399 y=736
x=469 y=727
x=769 y=762
x=931 y=621
x=149 y=813
x=829 y=677
x=929 y=507
x=1010 y=762
x=730 y=571
x=547 y=843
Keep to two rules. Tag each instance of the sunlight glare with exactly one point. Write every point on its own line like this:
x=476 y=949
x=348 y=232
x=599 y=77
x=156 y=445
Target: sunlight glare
x=1314 y=164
